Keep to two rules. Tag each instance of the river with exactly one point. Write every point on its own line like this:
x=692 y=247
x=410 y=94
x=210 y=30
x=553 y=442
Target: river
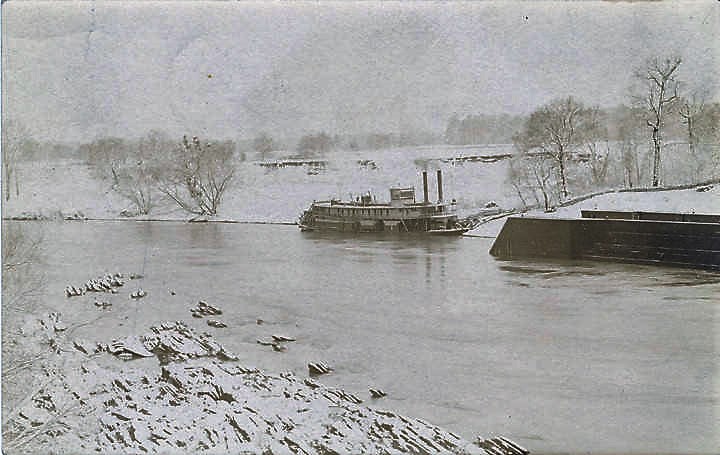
x=560 y=357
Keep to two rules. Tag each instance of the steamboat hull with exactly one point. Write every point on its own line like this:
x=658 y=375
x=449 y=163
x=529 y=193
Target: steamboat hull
x=421 y=225
x=401 y=215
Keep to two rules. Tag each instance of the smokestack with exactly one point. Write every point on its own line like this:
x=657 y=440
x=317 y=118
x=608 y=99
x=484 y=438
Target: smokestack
x=426 y=199
x=439 y=178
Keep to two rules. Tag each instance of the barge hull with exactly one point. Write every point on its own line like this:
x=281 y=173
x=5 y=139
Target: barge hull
x=668 y=243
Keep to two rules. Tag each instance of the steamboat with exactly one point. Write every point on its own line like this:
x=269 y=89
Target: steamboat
x=402 y=214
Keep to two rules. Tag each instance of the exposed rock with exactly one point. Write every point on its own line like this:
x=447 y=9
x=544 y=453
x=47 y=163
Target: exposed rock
x=205 y=405
x=377 y=393
x=60 y=326
x=126 y=356
x=277 y=346
x=204 y=309
x=500 y=446
x=207 y=309
x=218 y=324
x=311 y=383
x=139 y=294
x=282 y=339
x=176 y=341
x=132 y=345
x=102 y=304
x=84 y=346
x=208 y=406
x=276 y=342
x=702 y=189
x=318 y=368
x=72 y=291
x=106 y=283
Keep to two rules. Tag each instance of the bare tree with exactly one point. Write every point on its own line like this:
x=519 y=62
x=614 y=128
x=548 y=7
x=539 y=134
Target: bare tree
x=16 y=141
x=701 y=125
x=556 y=130
x=659 y=96
x=198 y=175
x=597 y=144
x=708 y=132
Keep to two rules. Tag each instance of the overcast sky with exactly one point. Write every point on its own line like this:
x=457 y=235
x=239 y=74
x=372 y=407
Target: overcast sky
x=75 y=71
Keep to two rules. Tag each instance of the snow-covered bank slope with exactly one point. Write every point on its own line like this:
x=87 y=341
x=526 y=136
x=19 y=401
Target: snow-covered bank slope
x=193 y=402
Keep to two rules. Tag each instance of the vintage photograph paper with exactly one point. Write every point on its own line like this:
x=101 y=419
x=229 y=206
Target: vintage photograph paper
x=360 y=227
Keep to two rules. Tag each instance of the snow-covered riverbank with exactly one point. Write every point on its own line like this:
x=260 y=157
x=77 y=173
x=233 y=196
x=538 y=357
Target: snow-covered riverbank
x=704 y=199
x=191 y=395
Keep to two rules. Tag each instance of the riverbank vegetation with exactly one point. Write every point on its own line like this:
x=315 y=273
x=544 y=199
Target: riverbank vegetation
x=566 y=147
x=666 y=134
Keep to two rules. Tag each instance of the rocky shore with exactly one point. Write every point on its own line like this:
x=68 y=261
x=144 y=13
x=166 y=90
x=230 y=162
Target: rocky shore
x=188 y=394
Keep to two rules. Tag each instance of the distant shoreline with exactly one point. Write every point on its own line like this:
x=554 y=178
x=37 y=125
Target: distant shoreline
x=502 y=215
x=153 y=220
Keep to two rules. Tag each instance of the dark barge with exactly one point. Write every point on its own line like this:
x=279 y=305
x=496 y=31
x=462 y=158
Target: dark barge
x=670 y=239
x=402 y=214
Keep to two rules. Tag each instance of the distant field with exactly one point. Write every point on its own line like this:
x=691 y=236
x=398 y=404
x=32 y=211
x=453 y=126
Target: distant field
x=280 y=194
x=266 y=191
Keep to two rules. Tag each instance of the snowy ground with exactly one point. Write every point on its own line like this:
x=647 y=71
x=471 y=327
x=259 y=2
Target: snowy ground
x=280 y=194
x=682 y=201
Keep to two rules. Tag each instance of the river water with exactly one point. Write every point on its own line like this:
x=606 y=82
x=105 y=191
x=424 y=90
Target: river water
x=560 y=357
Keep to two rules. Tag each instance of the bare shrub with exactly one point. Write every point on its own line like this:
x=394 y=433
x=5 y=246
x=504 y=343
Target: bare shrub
x=138 y=176
x=32 y=365
x=533 y=176
x=105 y=155
x=21 y=282
x=263 y=145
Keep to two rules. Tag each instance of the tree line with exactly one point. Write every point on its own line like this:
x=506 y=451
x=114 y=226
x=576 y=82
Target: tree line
x=566 y=144
x=321 y=142
x=193 y=174
x=563 y=147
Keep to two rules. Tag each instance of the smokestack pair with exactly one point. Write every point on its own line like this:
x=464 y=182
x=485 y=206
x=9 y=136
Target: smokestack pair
x=426 y=199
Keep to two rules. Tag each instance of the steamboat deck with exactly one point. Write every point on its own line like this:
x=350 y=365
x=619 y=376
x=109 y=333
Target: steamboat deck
x=401 y=214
